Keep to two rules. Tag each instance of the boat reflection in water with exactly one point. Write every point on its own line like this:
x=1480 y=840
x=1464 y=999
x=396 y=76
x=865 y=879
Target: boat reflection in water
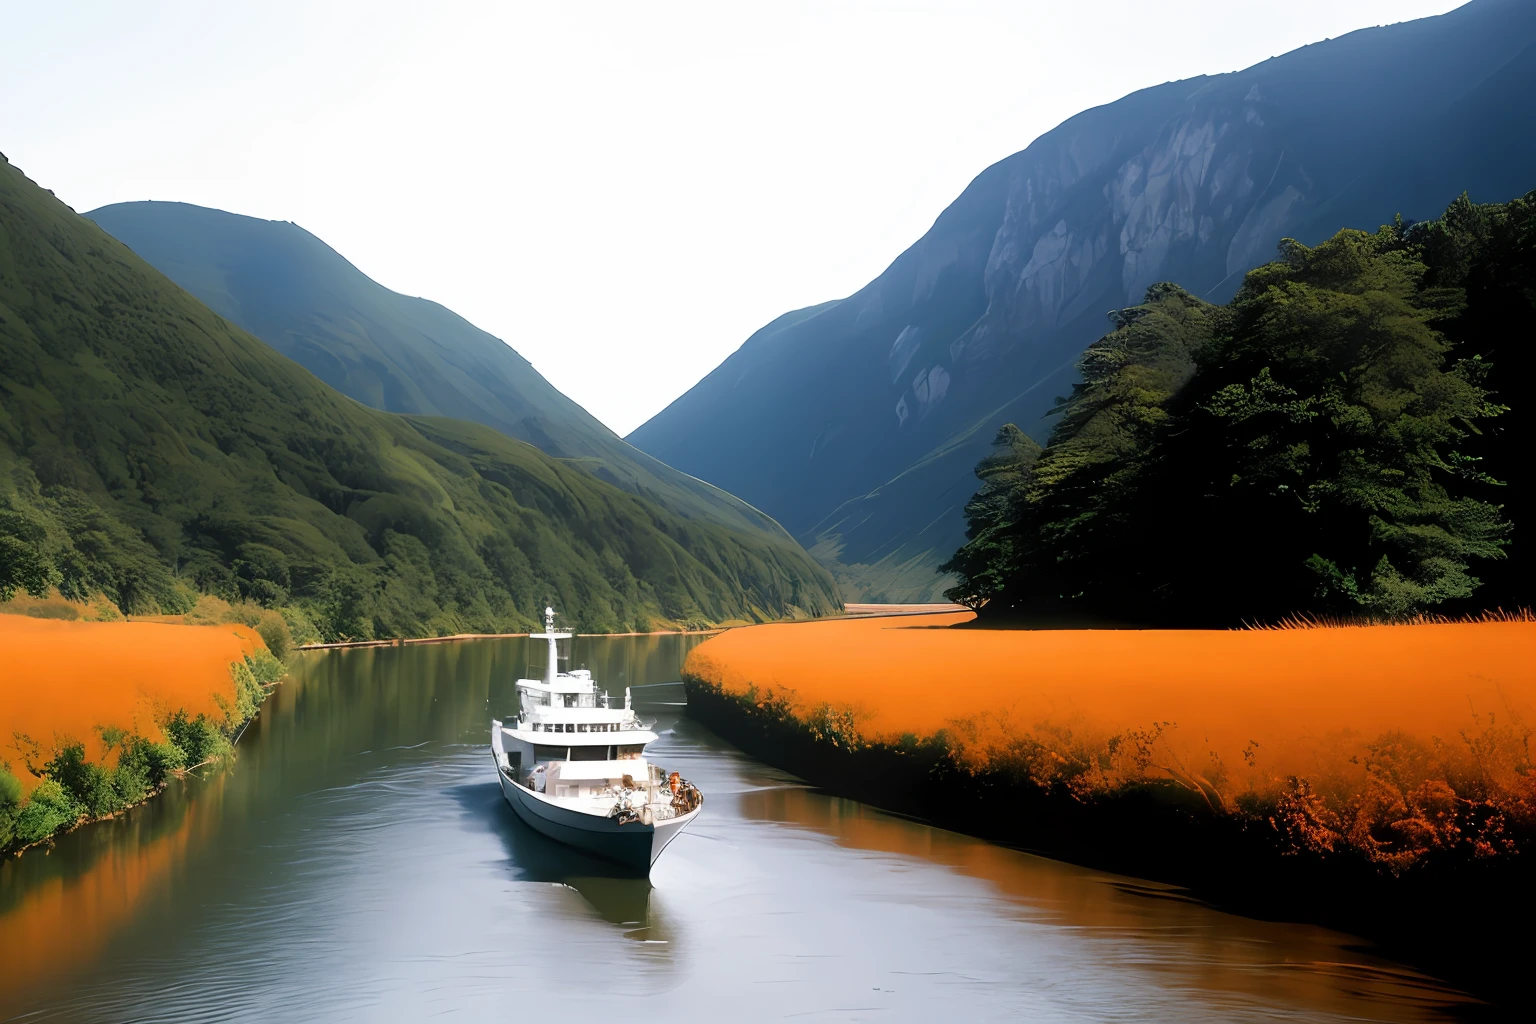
x=615 y=893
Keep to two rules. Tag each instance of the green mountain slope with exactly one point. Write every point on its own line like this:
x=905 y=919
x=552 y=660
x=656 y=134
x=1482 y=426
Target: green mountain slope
x=149 y=448
x=856 y=423
x=388 y=350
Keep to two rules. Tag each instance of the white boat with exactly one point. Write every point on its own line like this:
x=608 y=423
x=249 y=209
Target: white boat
x=574 y=768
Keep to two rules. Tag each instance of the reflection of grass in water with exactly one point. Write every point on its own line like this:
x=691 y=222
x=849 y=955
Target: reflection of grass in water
x=57 y=911
x=1427 y=894
x=1188 y=934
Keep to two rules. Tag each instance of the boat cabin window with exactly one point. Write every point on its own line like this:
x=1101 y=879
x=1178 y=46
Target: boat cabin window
x=591 y=753
x=581 y=727
x=543 y=753
x=570 y=699
x=629 y=751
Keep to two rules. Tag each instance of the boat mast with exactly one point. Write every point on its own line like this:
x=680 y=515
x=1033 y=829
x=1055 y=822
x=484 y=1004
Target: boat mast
x=553 y=668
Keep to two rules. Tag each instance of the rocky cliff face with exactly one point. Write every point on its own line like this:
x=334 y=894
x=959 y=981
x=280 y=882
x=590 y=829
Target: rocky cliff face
x=857 y=423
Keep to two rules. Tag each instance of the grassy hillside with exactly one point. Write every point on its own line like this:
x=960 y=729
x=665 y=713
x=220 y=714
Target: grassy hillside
x=149 y=449
x=392 y=351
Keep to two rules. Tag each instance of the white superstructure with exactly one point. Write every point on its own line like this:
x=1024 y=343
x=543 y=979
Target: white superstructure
x=573 y=766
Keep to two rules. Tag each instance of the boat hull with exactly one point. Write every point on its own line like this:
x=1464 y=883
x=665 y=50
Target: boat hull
x=635 y=845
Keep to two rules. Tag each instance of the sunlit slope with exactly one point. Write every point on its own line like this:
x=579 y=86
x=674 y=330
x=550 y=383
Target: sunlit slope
x=392 y=351
x=148 y=446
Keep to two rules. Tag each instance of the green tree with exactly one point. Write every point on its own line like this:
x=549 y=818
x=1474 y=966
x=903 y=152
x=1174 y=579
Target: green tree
x=24 y=562
x=1316 y=449
x=1314 y=446
x=10 y=806
x=985 y=561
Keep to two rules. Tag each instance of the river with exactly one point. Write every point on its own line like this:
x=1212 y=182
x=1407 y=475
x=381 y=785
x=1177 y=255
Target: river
x=356 y=862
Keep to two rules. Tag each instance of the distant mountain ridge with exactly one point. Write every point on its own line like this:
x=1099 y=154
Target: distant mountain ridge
x=856 y=423
x=151 y=450
x=391 y=351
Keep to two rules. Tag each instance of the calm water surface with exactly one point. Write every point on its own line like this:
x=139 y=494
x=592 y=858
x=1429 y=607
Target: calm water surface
x=356 y=862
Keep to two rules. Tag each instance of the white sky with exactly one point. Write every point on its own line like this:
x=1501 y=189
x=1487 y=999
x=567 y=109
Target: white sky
x=623 y=191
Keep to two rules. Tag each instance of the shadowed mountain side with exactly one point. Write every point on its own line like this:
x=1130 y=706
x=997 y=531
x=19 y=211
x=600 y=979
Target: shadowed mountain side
x=150 y=449
x=980 y=322
x=391 y=351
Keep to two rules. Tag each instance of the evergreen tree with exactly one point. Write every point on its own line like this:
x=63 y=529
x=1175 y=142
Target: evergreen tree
x=986 y=559
x=1314 y=446
x=1487 y=256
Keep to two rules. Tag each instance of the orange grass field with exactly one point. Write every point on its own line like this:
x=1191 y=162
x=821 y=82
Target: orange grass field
x=1378 y=715
x=65 y=679
x=1227 y=688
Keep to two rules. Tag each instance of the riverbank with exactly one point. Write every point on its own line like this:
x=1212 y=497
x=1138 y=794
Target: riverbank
x=411 y=641
x=851 y=611
x=1376 y=779
x=96 y=716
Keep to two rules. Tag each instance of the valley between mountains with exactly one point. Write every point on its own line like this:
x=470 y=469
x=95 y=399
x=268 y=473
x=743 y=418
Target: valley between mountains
x=856 y=422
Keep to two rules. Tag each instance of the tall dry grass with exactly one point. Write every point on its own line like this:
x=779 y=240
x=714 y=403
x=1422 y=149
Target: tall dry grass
x=66 y=680
x=1394 y=742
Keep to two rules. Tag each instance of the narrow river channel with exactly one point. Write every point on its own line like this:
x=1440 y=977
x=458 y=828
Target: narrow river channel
x=356 y=862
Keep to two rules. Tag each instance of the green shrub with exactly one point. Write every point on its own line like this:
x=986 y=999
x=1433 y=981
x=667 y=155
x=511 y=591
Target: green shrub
x=247 y=613
x=199 y=739
x=49 y=809
x=248 y=694
x=265 y=668
x=275 y=633
x=301 y=629
x=159 y=759
x=178 y=599
x=10 y=806
x=88 y=785
x=142 y=765
x=207 y=610
x=103 y=610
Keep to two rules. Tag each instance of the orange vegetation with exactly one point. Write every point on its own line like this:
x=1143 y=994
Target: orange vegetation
x=1391 y=740
x=65 y=679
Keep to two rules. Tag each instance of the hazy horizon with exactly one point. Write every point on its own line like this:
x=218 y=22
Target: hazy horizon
x=636 y=191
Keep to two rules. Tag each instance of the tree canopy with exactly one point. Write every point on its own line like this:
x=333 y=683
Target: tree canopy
x=1328 y=442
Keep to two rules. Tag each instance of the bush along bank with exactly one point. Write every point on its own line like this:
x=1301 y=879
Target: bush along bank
x=1427 y=853
x=75 y=790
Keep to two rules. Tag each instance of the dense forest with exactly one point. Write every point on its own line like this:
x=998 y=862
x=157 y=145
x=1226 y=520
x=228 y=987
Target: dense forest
x=152 y=452
x=1347 y=437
